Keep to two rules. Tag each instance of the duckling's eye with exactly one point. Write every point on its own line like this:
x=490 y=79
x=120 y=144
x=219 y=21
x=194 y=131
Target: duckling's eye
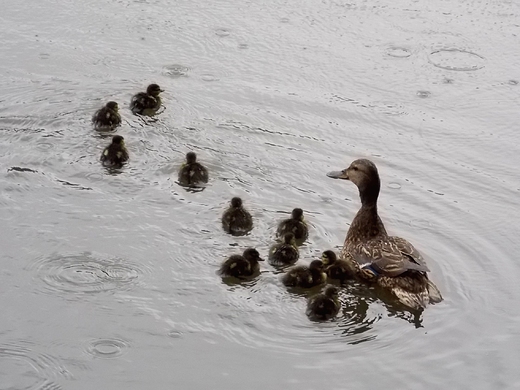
x=354 y=168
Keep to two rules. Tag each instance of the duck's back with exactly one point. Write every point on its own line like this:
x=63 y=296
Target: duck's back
x=237 y=220
x=193 y=173
x=237 y=266
x=284 y=254
x=142 y=103
x=298 y=228
x=322 y=308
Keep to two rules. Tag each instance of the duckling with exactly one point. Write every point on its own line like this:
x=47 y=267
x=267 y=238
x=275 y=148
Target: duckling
x=236 y=220
x=107 y=118
x=240 y=266
x=325 y=306
x=389 y=261
x=306 y=277
x=285 y=253
x=295 y=225
x=116 y=153
x=337 y=269
x=147 y=103
x=192 y=173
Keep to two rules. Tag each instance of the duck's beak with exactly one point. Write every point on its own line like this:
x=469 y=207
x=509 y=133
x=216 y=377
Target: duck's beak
x=161 y=90
x=338 y=174
x=260 y=259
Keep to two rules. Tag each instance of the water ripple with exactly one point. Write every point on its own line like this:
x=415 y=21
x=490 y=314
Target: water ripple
x=22 y=368
x=86 y=273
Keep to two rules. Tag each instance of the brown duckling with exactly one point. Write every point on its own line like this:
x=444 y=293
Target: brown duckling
x=337 y=269
x=305 y=277
x=107 y=118
x=192 y=173
x=323 y=307
x=391 y=262
x=236 y=220
x=241 y=266
x=147 y=103
x=116 y=153
x=295 y=225
x=284 y=253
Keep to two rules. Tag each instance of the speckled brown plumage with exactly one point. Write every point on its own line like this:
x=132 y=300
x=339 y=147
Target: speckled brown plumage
x=391 y=262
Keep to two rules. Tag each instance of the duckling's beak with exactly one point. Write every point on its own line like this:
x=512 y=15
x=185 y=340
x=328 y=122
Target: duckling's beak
x=338 y=174
x=260 y=259
x=324 y=260
x=161 y=90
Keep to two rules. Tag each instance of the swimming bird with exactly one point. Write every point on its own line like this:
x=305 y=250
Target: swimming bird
x=391 y=262
x=192 y=173
x=107 y=117
x=295 y=225
x=305 y=277
x=284 y=253
x=236 y=220
x=337 y=269
x=324 y=306
x=116 y=153
x=147 y=103
x=241 y=266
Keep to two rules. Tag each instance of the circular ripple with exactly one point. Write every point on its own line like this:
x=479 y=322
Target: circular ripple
x=176 y=71
x=398 y=52
x=86 y=273
x=424 y=94
x=107 y=348
x=394 y=186
x=222 y=32
x=209 y=77
x=456 y=59
x=21 y=368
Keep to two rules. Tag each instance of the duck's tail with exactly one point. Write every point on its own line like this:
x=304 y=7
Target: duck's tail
x=415 y=301
x=434 y=294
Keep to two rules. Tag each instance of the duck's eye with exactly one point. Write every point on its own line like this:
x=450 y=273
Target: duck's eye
x=354 y=168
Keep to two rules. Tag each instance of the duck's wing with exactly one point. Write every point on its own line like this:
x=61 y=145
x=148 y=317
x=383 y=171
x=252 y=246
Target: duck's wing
x=386 y=258
x=409 y=250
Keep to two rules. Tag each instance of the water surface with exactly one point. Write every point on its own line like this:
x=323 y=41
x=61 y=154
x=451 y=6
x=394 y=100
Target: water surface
x=108 y=278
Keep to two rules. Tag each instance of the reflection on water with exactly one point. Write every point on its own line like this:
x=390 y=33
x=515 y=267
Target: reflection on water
x=112 y=273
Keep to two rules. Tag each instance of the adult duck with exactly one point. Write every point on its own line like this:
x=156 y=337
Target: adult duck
x=391 y=262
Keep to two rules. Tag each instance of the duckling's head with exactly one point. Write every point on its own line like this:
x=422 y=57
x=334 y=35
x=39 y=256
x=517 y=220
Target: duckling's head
x=236 y=202
x=331 y=292
x=363 y=173
x=252 y=254
x=328 y=257
x=118 y=140
x=113 y=106
x=297 y=214
x=316 y=264
x=154 y=90
x=288 y=238
x=191 y=157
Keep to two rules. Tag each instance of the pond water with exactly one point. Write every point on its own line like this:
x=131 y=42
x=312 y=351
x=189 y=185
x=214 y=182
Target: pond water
x=109 y=278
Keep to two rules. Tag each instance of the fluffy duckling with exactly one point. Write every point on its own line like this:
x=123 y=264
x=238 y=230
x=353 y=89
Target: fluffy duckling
x=241 y=266
x=107 y=118
x=284 y=253
x=337 y=269
x=236 y=220
x=295 y=225
x=325 y=306
x=391 y=262
x=147 y=103
x=116 y=153
x=192 y=173
x=305 y=277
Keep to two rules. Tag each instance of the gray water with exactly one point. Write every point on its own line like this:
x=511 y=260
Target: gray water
x=108 y=278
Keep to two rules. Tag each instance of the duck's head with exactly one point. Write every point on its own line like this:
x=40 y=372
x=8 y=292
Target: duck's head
x=363 y=173
x=328 y=257
x=316 y=264
x=113 y=106
x=236 y=202
x=288 y=238
x=154 y=90
x=252 y=254
x=118 y=140
x=331 y=292
x=297 y=214
x=191 y=157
